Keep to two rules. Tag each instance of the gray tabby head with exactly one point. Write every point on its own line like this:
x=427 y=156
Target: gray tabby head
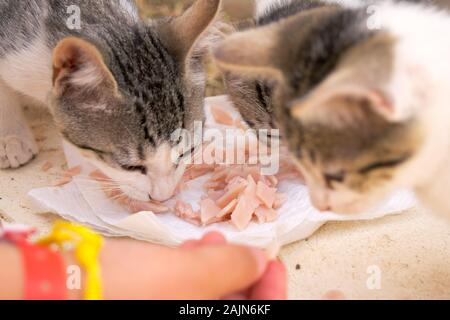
x=334 y=103
x=120 y=101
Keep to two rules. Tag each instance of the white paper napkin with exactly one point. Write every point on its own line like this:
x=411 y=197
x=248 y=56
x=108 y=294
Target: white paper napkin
x=82 y=201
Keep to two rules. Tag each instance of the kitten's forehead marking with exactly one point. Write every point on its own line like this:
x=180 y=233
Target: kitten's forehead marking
x=160 y=161
x=129 y=7
x=152 y=78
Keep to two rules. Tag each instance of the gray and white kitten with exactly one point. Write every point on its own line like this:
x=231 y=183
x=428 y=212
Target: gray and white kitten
x=118 y=87
x=361 y=97
x=252 y=95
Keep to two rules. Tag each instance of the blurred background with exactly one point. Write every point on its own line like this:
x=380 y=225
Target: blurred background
x=234 y=10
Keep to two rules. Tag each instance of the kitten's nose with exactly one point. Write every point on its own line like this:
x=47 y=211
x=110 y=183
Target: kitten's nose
x=323 y=208
x=320 y=202
x=163 y=190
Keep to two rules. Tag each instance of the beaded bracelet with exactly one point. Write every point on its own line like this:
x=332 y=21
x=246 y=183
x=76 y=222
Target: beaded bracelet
x=44 y=268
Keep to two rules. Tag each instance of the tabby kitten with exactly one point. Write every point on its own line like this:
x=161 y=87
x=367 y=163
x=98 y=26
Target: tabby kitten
x=118 y=86
x=361 y=98
x=252 y=95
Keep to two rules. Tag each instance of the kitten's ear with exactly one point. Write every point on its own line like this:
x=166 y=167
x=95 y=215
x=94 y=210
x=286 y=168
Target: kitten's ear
x=344 y=97
x=79 y=64
x=358 y=86
x=184 y=31
x=252 y=53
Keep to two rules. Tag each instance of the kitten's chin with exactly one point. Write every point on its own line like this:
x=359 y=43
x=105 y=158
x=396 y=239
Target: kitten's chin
x=164 y=188
x=163 y=195
x=357 y=206
x=352 y=209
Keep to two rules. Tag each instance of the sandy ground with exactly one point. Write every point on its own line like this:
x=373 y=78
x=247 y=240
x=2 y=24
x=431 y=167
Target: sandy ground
x=399 y=257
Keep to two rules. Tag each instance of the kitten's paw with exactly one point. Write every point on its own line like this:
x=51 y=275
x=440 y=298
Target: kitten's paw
x=16 y=151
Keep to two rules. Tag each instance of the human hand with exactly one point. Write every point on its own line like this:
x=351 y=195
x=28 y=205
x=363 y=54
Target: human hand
x=204 y=269
x=271 y=286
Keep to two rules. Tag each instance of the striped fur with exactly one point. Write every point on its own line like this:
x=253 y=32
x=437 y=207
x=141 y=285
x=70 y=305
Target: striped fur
x=121 y=108
x=363 y=107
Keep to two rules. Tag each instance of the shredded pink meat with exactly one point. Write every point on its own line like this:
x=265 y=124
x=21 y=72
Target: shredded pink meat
x=222 y=116
x=234 y=193
x=240 y=200
x=62 y=181
x=47 y=166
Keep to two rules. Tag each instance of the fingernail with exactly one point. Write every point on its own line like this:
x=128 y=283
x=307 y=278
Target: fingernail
x=261 y=260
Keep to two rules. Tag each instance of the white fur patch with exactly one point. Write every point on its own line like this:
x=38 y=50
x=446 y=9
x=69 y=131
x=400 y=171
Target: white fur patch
x=29 y=71
x=129 y=7
x=422 y=51
x=264 y=6
x=96 y=107
x=88 y=76
x=420 y=89
x=346 y=3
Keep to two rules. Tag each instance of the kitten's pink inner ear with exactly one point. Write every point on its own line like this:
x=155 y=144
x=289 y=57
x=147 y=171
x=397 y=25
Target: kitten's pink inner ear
x=381 y=103
x=328 y=93
x=73 y=55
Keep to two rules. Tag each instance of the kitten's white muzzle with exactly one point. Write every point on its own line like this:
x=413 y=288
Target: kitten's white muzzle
x=342 y=202
x=163 y=183
x=163 y=189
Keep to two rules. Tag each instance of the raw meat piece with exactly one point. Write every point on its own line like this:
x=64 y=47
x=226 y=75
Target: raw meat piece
x=243 y=213
x=266 y=215
x=99 y=176
x=265 y=194
x=250 y=191
x=236 y=172
x=232 y=193
x=62 y=182
x=219 y=175
x=47 y=166
x=254 y=171
x=209 y=211
x=68 y=176
x=184 y=210
x=215 y=195
x=72 y=172
x=271 y=181
x=228 y=210
x=221 y=116
x=279 y=201
x=214 y=185
x=193 y=172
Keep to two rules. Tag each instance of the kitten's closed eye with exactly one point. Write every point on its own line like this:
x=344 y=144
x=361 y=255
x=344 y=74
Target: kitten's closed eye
x=334 y=178
x=340 y=176
x=141 y=169
x=383 y=164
